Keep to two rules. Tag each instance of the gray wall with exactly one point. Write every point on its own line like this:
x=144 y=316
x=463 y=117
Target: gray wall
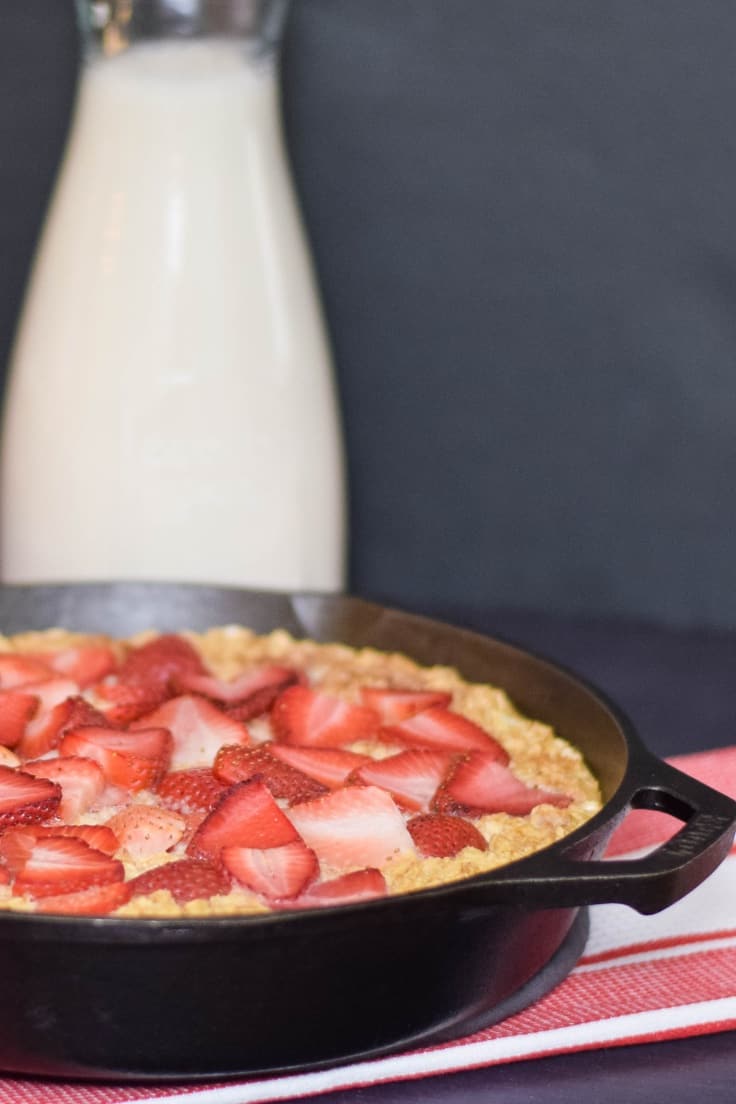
x=524 y=218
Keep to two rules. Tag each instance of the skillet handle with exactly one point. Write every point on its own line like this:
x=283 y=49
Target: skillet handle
x=658 y=879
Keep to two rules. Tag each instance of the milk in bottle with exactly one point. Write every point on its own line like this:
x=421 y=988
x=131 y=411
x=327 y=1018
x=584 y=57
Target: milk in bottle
x=171 y=412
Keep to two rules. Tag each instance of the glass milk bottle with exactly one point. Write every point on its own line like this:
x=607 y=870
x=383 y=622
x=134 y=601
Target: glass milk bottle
x=171 y=412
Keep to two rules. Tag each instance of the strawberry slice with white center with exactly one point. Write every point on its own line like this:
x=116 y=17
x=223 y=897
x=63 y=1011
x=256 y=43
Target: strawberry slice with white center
x=81 y=780
x=185 y=879
x=190 y=791
x=246 y=816
x=25 y=799
x=354 y=827
x=441 y=836
x=237 y=764
x=441 y=728
x=479 y=784
x=16 y=844
x=145 y=830
x=394 y=706
x=98 y=900
x=85 y=664
x=248 y=695
x=43 y=731
x=359 y=885
x=132 y=760
x=58 y=864
x=16 y=709
x=330 y=766
x=16 y=670
x=198 y=727
x=308 y=717
x=274 y=872
x=411 y=777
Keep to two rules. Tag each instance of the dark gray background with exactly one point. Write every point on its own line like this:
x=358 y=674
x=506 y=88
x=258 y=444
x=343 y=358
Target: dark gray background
x=524 y=218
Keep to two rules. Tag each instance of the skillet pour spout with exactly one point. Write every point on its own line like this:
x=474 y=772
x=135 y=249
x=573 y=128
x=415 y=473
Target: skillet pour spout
x=135 y=999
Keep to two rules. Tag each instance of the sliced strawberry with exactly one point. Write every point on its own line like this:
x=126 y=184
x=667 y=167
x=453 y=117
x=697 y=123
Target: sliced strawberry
x=81 y=780
x=247 y=696
x=441 y=728
x=25 y=799
x=304 y=716
x=274 y=872
x=411 y=777
x=145 y=830
x=157 y=664
x=84 y=663
x=131 y=703
x=16 y=709
x=441 y=836
x=246 y=816
x=17 y=670
x=99 y=836
x=133 y=760
x=64 y=865
x=359 y=885
x=97 y=900
x=42 y=733
x=237 y=764
x=394 y=706
x=190 y=791
x=358 y=826
x=4 y=876
x=16 y=844
x=73 y=712
x=479 y=784
x=198 y=727
x=185 y=879
x=331 y=766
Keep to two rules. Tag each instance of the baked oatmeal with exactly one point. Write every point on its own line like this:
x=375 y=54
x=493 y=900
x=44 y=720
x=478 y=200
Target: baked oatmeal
x=220 y=773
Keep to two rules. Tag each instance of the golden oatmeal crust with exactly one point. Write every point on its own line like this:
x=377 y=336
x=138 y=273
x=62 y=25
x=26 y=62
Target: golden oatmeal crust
x=537 y=755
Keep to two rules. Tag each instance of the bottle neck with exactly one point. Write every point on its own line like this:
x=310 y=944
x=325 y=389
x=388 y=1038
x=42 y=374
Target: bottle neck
x=110 y=27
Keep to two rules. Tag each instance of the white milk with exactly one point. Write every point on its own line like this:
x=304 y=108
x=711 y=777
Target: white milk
x=171 y=413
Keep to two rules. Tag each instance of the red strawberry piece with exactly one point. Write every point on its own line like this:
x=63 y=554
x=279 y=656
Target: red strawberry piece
x=190 y=791
x=246 y=816
x=157 y=664
x=145 y=830
x=131 y=703
x=59 y=864
x=441 y=728
x=132 y=760
x=411 y=777
x=198 y=727
x=359 y=885
x=99 y=836
x=304 y=716
x=479 y=784
x=441 y=836
x=42 y=732
x=237 y=764
x=17 y=843
x=16 y=709
x=4 y=876
x=25 y=799
x=274 y=872
x=85 y=664
x=394 y=706
x=16 y=670
x=185 y=879
x=357 y=826
x=249 y=695
x=70 y=713
x=81 y=780
x=97 y=900
x=331 y=766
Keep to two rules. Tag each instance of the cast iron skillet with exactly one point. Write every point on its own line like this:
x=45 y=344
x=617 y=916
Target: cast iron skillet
x=137 y=999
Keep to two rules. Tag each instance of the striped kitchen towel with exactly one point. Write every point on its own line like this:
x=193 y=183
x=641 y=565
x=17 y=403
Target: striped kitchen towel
x=642 y=978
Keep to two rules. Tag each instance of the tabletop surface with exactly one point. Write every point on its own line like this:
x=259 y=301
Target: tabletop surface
x=678 y=687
